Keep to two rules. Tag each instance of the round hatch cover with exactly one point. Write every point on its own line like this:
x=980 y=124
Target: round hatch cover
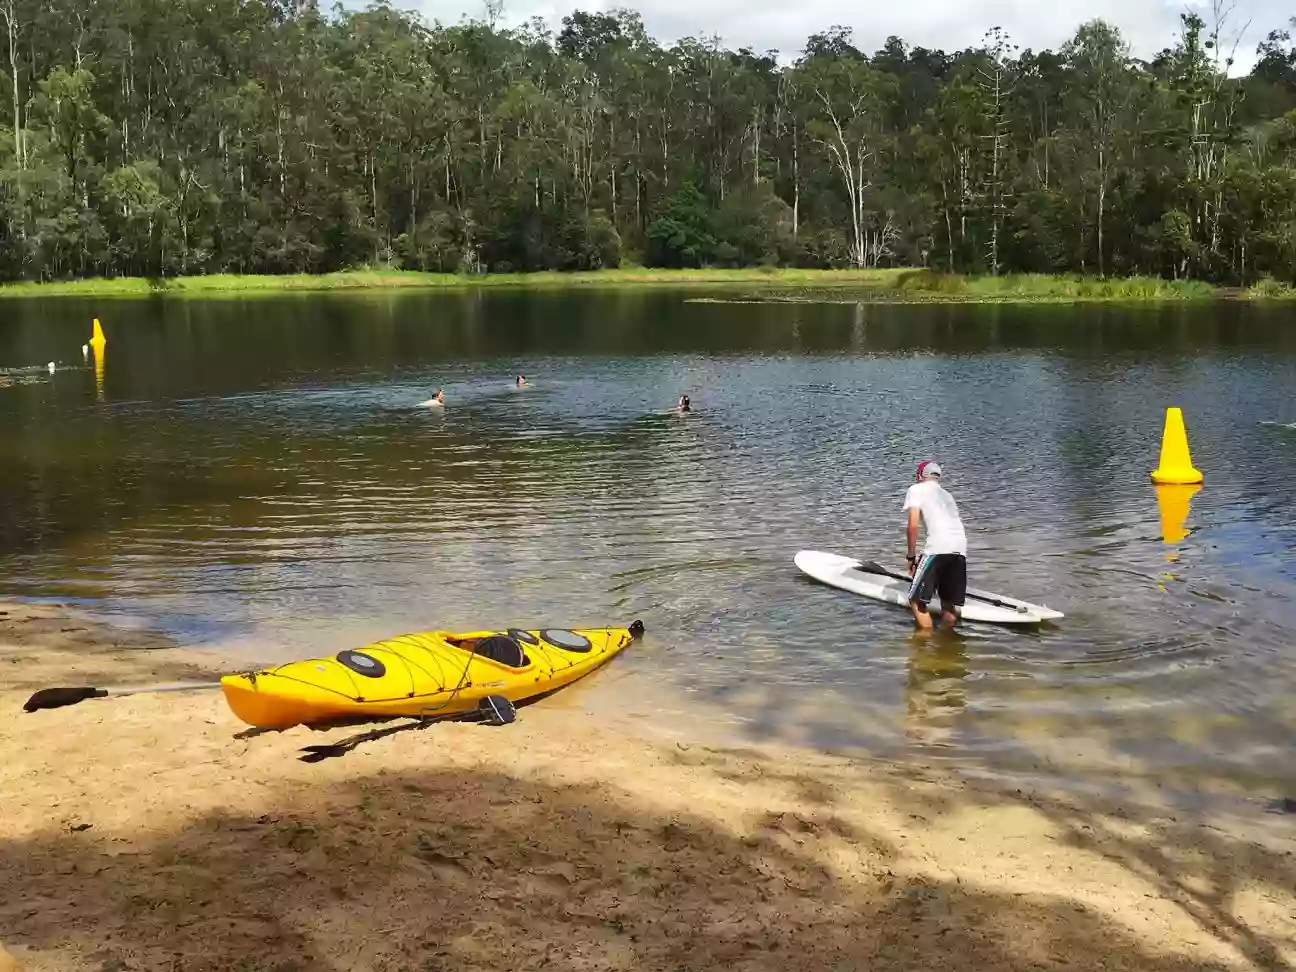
x=567 y=640
x=359 y=662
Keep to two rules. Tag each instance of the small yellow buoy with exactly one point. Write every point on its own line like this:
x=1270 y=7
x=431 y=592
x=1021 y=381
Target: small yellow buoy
x=97 y=340
x=1176 y=461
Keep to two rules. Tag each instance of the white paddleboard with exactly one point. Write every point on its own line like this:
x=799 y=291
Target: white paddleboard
x=892 y=587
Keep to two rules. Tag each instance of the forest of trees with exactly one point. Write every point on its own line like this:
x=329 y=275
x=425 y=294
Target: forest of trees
x=166 y=137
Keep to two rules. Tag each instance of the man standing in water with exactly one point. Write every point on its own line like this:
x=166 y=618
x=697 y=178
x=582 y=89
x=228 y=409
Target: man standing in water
x=942 y=569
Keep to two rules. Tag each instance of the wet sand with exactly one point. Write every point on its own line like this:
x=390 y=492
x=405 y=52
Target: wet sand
x=149 y=833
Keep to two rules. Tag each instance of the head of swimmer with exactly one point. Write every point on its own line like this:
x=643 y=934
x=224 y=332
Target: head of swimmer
x=684 y=404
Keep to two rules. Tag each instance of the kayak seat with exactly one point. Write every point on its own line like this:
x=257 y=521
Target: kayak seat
x=502 y=649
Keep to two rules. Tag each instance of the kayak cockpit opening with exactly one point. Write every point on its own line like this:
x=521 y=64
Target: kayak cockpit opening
x=500 y=649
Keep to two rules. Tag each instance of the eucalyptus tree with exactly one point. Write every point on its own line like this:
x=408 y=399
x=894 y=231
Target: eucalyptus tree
x=161 y=137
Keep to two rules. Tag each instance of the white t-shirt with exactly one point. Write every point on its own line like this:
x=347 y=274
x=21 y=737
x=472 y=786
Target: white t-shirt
x=940 y=516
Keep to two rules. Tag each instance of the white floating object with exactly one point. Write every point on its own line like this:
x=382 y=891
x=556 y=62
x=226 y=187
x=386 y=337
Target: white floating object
x=892 y=587
x=85 y=350
x=50 y=366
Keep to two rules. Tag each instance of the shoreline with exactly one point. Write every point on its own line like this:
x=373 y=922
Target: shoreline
x=154 y=832
x=772 y=285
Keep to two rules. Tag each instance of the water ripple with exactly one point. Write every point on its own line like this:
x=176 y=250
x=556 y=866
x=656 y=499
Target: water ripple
x=312 y=507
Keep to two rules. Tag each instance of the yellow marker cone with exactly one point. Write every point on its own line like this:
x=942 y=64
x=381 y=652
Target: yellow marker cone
x=97 y=340
x=1173 y=501
x=1176 y=462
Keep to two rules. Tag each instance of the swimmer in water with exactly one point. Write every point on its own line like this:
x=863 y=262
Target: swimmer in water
x=684 y=404
x=435 y=400
x=521 y=381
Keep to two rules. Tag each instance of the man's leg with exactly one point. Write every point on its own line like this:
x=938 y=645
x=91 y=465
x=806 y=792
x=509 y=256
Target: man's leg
x=952 y=587
x=922 y=617
x=920 y=593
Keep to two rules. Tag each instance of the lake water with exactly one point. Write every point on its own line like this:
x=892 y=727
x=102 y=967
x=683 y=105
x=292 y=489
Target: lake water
x=251 y=474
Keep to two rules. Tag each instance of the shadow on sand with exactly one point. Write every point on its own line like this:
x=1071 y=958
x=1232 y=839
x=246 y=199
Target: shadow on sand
x=449 y=869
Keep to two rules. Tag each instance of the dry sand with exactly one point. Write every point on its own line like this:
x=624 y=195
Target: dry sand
x=147 y=833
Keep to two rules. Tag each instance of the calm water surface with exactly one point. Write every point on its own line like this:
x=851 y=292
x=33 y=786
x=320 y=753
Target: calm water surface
x=251 y=474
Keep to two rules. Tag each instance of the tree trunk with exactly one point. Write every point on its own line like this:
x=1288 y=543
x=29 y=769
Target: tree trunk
x=373 y=201
x=1046 y=148
x=1102 y=206
x=11 y=21
x=283 y=181
x=796 y=182
x=638 y=177
x=965 y=194
x=949 y=231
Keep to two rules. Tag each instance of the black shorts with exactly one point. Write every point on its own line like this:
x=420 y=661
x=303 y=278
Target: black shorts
x=942 y=575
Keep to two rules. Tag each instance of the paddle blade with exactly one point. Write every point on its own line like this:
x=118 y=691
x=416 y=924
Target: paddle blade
x=496 y=710
x=870 y=567
x=56 y=698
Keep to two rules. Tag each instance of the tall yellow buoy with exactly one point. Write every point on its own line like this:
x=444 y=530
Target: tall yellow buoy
x=1176 y=462
x=97 y=340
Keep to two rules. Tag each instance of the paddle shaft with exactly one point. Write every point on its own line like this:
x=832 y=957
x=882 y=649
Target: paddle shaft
x=57 y=698
x=875 y=568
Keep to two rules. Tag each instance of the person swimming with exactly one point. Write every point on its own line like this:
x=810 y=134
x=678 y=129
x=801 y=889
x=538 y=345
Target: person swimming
x=435 y=400
x=684 y=404
x=521 y=381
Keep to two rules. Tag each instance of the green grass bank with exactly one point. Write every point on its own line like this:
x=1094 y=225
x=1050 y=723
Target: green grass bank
x=759 y=283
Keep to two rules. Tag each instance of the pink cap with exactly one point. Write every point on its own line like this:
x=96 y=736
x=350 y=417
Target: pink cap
x=928 y=469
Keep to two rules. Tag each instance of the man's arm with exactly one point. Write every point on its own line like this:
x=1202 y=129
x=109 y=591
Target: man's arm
x=911 y=537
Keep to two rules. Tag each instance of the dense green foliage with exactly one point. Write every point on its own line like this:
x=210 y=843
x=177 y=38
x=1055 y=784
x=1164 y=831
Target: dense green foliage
x=166 y=137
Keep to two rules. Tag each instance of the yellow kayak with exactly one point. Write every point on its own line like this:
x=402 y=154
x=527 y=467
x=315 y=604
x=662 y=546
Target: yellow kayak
x=435 y=673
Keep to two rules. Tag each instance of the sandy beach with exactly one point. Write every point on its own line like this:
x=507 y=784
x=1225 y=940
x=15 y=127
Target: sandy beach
x=151 y=832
